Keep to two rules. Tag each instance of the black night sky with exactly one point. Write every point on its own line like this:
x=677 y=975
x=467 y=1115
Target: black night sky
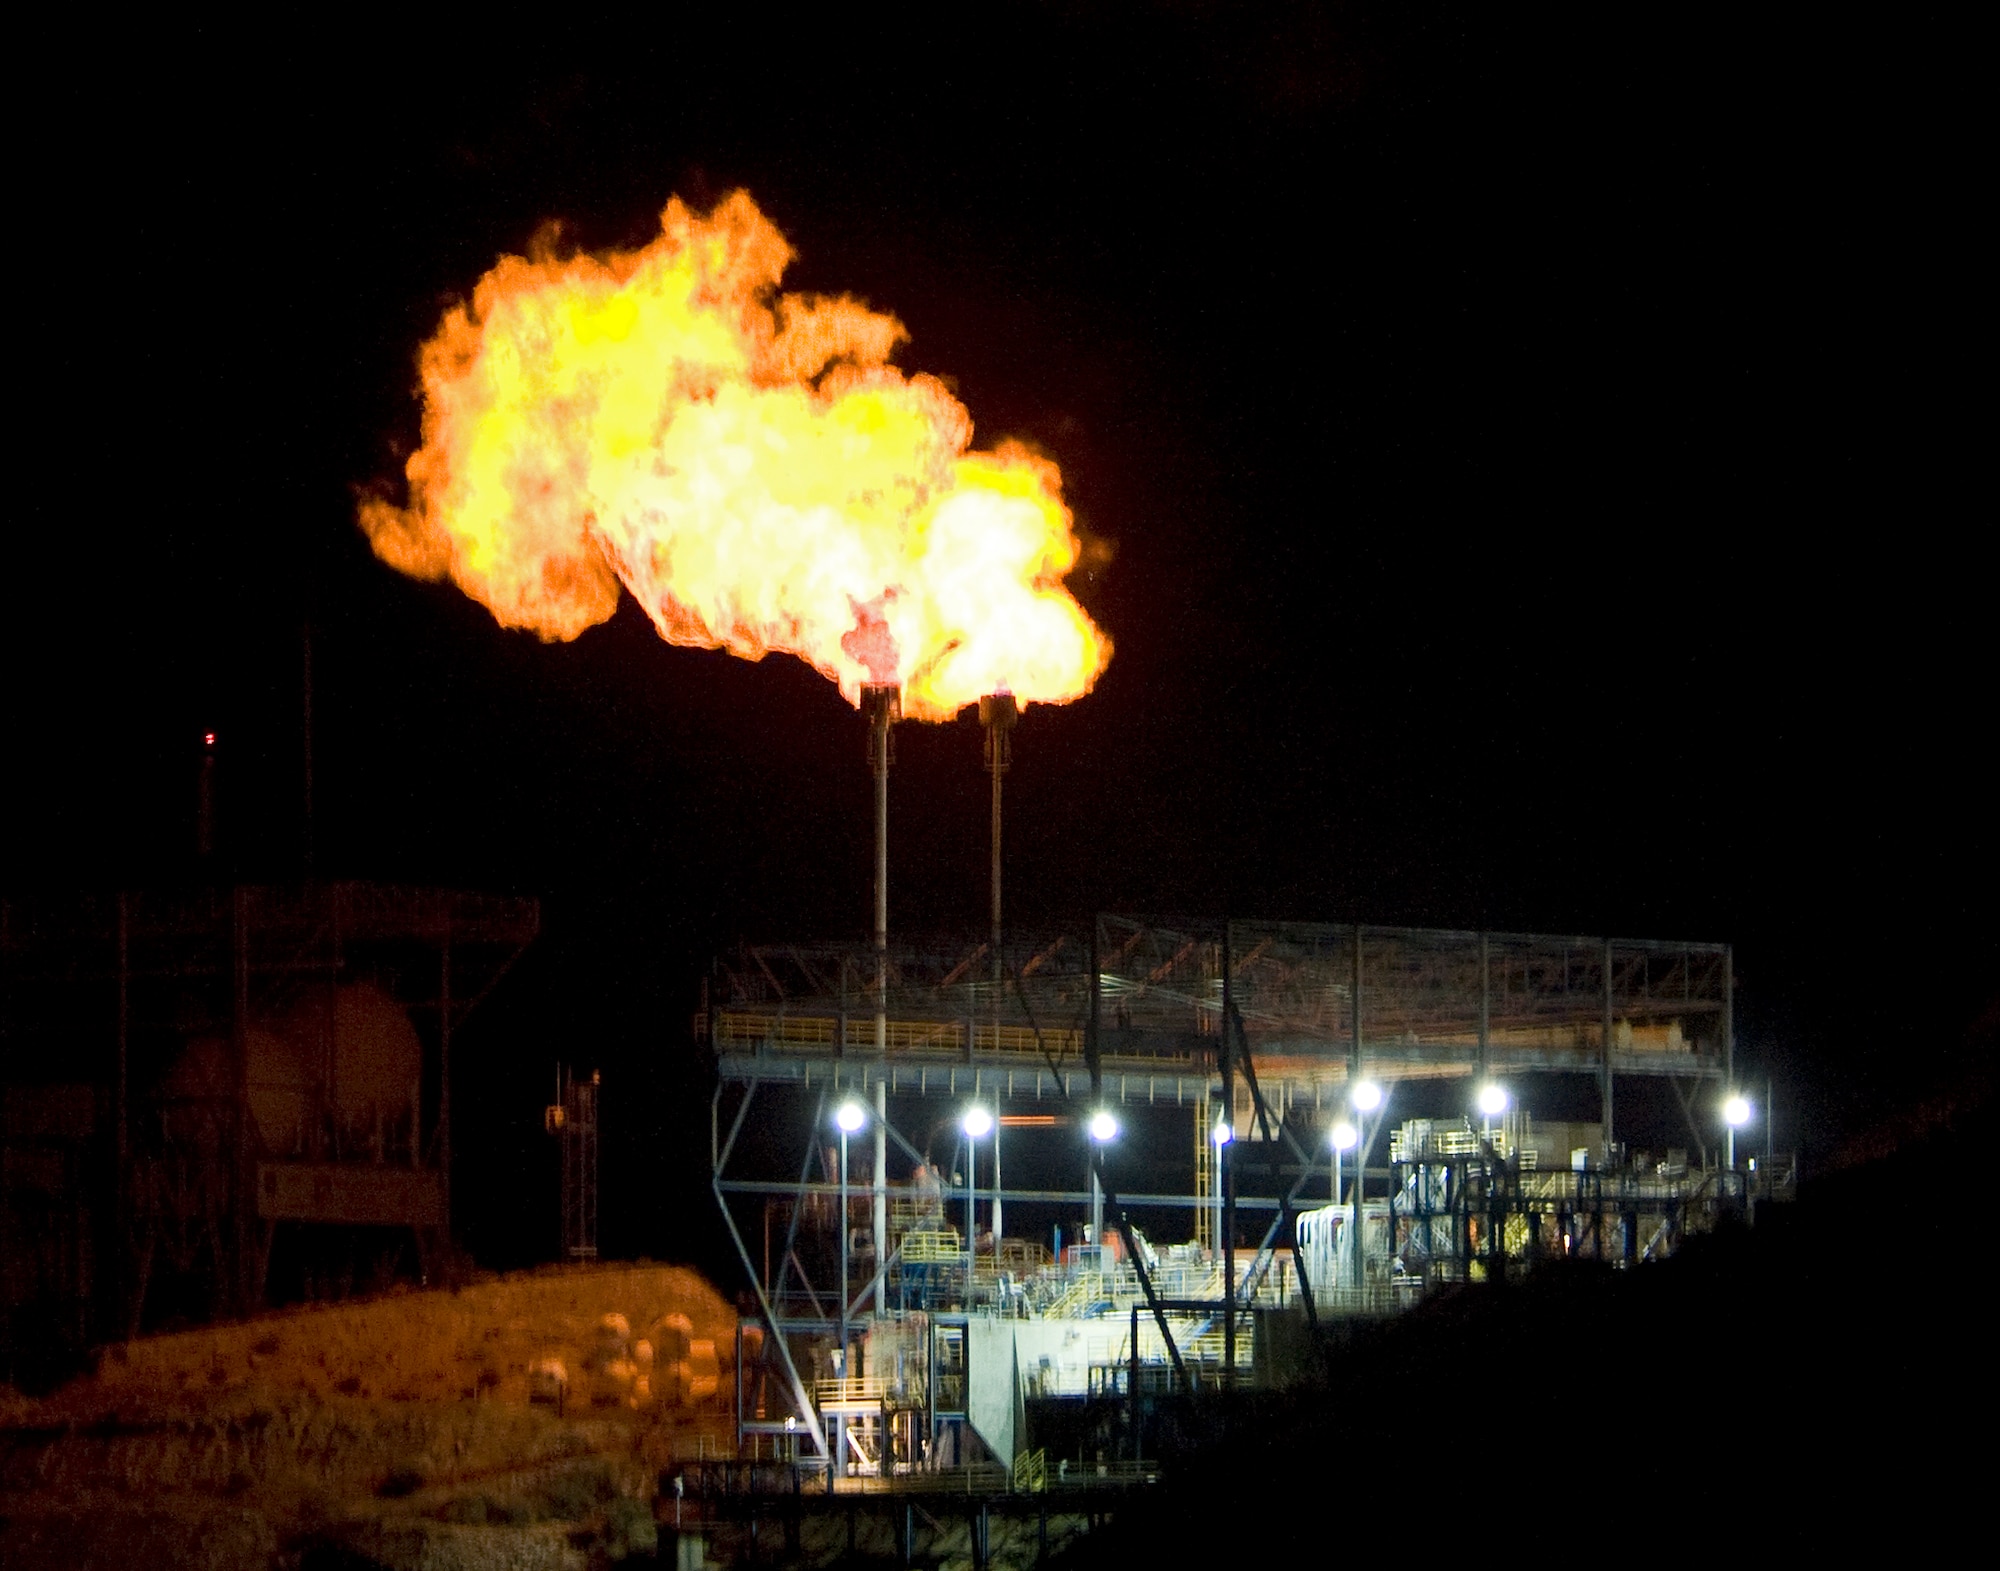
x=1532 y=456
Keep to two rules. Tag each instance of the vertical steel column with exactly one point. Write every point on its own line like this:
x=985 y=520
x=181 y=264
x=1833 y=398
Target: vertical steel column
x=1485 y=1011
x=993 y=753
x=997 y=713
x=843 y=1258
x=1362 y=1128
x=971 y=1213
x=881 y=715
x=1092 y=1048
x=243 y=1151
x=306 y=749
x=577 y=1132
x=122 y=1194
x=1132 y=1384
x=1729 y=1046
x=1605 y=1085
x=880 y=1217
x=1225 y=1056
x=1729 y=1017
x=884 y=708
x=329 y=1040
x=718 y=1160
x=444 y=1076
x=996 y=1177
x=1207 y=1224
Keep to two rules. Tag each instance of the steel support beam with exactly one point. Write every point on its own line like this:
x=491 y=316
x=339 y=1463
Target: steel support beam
x=1271 y=1132
x=808 y=1415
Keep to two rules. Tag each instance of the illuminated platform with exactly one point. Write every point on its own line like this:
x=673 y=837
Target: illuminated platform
x=909 y=1327
x=1134 y=1009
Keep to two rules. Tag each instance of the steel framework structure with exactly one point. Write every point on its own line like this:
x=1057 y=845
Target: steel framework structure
x=576 y=1130
x=108 y=990
x=1318 y=1004
x=1248 y=1018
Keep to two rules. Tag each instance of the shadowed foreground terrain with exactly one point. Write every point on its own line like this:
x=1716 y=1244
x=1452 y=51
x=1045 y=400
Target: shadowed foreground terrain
x=1772 y=1388
x=408 y=1430
x=1827 y=1373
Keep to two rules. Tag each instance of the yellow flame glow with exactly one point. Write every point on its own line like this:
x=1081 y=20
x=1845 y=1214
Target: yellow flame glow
x=746 y=463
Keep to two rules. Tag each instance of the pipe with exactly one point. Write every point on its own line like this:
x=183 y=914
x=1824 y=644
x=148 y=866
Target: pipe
x=1610 y=1029
x=996 y=1183
x=881 y=1212
x=1360 y=1267
x=1224 y=1156
x=997 y=713
x=844 y=1284
x=883 y=704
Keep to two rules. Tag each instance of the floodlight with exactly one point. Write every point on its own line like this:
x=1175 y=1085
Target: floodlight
x=1222 y=1134
x=1342 y=1136
x=1492 y=1101
x=1103 y=1126
x=1736 y=1112
x=1366 y=1096
x=850 y=1115
x=977 y=1122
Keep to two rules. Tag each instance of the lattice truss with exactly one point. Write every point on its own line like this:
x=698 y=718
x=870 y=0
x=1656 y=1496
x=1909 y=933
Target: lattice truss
x=1313 y=1001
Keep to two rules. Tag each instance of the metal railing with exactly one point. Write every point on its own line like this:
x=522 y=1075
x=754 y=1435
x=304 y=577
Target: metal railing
x=863 y=1389
x=753 y=1029
x=942 y=1246
x=718 y=1482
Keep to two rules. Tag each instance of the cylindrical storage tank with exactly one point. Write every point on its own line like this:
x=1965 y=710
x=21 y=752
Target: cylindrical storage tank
x=281 y=1092
x=202 y=1080
x=362 y=1041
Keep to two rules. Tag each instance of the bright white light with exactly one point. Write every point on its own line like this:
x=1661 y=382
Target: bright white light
x=978 y=1123
x=1222 y=1134
x=1103 y=1126
x=1366 y=1096
x=850 y=1115
x=1736 y=1112
x=1492 y=1101
x=1342 y=1136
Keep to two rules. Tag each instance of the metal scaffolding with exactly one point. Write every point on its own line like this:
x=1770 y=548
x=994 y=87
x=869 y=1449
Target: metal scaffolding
x=1319 y=1005
x=572 y=1119
x=164 y=1004
x=1254 y=1028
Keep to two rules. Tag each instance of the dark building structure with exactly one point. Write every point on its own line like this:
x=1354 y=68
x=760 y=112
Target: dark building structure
x=191 y=1073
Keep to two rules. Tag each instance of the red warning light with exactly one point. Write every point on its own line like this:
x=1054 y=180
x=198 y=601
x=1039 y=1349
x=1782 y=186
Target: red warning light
x=208 y=738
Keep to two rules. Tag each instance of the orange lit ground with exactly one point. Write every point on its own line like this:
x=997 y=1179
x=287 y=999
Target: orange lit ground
x=399 y=1430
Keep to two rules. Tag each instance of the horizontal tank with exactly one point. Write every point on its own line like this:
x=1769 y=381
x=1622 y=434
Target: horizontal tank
x=337 y=1075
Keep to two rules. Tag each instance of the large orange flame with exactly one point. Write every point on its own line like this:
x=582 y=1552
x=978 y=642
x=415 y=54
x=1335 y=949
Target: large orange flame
x=747 y=463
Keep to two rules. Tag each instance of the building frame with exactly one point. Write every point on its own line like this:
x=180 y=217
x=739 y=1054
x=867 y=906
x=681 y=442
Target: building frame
x=1263 y=1026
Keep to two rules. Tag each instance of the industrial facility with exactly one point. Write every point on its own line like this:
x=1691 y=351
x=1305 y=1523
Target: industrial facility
x=974 y=1188
x=198 y=1076
x=993 y=1196
x=996 y=1201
